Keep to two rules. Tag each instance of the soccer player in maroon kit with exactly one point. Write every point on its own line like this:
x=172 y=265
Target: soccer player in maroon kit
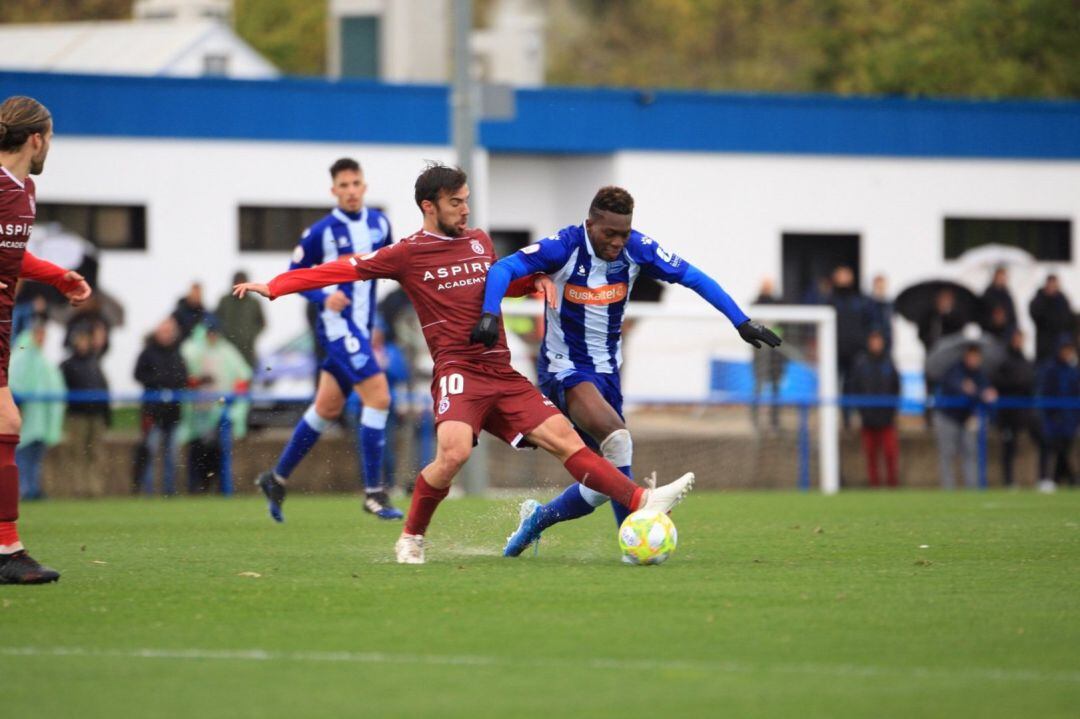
x=443 y=269
x=25 y=132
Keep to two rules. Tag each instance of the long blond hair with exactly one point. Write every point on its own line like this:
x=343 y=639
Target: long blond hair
x=21 y=117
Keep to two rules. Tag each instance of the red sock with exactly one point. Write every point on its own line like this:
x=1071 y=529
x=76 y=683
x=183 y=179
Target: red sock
x=425 y=500
x=597 y=473
x=9 y=490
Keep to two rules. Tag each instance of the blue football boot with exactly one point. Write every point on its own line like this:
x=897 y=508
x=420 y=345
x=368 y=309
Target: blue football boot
x=275 y=494
x=378 y=503
x=527 y=532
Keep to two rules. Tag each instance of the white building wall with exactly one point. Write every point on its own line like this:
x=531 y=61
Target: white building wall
x=725 y=213
x=192 y=191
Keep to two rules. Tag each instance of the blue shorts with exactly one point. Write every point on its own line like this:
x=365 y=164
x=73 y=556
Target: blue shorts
x=349 y=360
x=555 y=386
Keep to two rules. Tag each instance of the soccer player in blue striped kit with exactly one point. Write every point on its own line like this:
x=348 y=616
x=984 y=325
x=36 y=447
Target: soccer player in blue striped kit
x=594 y=266
x=346 y=316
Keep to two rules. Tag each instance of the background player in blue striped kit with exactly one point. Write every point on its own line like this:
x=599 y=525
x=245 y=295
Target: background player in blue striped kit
x=594 y=266
x=346 y=316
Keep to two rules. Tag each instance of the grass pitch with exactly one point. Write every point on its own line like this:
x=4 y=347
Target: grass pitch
x=866 y=604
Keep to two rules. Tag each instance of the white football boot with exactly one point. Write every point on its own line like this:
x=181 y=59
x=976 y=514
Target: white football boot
x=662 y=499
x=410 y=549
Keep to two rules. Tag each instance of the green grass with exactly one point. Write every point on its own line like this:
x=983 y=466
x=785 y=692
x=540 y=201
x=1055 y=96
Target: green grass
x=774 y=605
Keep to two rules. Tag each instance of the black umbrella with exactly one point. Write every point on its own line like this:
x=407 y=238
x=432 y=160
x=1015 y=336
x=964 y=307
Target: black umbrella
x=948 y=350
x=917 y=301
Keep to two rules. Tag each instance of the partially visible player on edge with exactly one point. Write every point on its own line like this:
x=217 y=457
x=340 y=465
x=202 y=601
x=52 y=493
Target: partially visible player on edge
x=25 y=132
x=442 y=269
x=346 y=316
x=594 y=266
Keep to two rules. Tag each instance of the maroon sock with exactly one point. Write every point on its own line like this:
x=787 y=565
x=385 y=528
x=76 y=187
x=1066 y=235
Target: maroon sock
x=425 y=500
x=597 y=473
x=9 y=489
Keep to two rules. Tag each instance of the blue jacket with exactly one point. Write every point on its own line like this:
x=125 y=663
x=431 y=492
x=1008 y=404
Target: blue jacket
x=1058 y=380
x=951 y=391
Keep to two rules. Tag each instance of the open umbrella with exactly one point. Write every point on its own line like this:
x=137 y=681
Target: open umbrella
x=948 y=350
x=996 y=255
x=917 y=301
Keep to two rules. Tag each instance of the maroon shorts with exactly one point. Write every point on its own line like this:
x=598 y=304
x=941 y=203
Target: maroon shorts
x=496 y=399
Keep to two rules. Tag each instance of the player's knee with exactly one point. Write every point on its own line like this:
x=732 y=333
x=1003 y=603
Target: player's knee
x=618 y=448
x=453 y=457
x=328 y=409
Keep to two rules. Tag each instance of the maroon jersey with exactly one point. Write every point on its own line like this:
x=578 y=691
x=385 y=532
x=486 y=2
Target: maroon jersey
x=444 y=278
x=17 y=210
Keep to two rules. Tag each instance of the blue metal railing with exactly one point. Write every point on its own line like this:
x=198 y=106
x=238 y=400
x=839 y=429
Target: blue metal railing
x=983 y=411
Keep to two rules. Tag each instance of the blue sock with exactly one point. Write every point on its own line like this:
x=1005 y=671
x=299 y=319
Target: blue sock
x=568 y=505
x=621 y=512
x=304 y=437
x=372 y=444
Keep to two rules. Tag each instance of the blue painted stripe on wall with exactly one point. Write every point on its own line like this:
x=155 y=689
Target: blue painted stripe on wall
x=555 y=120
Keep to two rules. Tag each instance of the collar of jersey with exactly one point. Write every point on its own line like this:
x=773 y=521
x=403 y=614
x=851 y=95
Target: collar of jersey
x=13 y=178
x=437 y=236
x=347 y=216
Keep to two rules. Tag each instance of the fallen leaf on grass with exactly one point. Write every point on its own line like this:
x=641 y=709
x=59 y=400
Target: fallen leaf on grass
x=256 y=575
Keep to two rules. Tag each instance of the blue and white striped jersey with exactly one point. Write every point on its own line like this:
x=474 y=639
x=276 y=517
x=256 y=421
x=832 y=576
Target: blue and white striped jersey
x=337 y=235
x=585 y=330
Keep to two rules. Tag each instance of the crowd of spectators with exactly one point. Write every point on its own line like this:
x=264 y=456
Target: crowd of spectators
x=988 y=376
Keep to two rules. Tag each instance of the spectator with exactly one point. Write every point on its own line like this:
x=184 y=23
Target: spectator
x=964 y=386
x=945 y=319
x=818 y=293
x=874 y=375
x=998 y=325
x=1015 y=381
x=768 y=366
x=42 y=421
x=881 y=310
x=997 y=295
x=89 y=318
x=87 y=419
x=1058 y=380
x=853 y=318
x=189 y=311
x=30 y=307
x=214 y=366
x=160 y=368
x=1053 y=317
x=241 y=320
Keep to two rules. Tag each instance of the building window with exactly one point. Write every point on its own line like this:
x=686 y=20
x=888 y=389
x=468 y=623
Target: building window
x=109 y=227
x=360 y=47
x=1046 y=240
x=215 y=65
x=275 y=229
x=507 y=242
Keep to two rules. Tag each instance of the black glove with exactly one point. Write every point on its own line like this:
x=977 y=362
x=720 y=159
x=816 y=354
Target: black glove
x=755 y=333
x=486 y=331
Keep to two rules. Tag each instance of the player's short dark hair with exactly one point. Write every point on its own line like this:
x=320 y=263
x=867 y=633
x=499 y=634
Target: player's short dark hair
x=437 y=178
x=21 y=117
x=345 y=163
x=612 y=199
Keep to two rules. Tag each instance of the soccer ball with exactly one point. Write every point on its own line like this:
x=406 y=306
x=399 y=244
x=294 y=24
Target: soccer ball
x=647 y=537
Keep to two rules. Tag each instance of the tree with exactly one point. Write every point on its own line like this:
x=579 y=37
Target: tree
x=978 y=48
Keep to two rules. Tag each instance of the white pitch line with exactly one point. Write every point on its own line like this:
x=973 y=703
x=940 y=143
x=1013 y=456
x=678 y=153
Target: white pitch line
x=731 y=667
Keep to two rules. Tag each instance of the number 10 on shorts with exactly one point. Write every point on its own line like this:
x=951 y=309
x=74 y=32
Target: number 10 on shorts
x=451 y=384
